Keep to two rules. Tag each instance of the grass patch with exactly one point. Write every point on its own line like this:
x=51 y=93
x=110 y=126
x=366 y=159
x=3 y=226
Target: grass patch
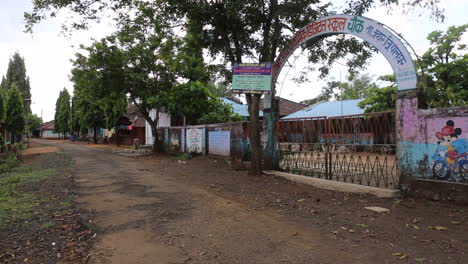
x=24 y=191
x=184 y=156
x=8 y=164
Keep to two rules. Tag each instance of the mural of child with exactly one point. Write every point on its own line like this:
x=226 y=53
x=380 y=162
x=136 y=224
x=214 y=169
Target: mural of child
x=450 y=156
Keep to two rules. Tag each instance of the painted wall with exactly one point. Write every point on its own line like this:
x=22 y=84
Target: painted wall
x=195 y=140
x=219 y=143
x=433 y=143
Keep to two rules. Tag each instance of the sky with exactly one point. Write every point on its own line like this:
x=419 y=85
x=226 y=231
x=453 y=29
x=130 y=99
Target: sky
x=48 y=53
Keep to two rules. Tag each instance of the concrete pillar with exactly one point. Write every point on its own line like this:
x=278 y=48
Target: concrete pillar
x=270 y=151
x=407 y=130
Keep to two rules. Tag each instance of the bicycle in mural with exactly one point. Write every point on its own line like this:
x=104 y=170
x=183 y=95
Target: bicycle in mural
x=451 y=156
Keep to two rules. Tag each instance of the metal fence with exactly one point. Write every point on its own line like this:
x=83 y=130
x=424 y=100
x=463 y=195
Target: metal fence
x=356 y=148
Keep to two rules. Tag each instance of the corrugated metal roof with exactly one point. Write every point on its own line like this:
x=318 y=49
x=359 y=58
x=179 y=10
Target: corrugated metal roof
x=240 y=109
x=333 y=108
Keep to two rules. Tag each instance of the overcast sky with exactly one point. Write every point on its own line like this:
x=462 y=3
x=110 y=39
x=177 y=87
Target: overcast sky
x=47 y=53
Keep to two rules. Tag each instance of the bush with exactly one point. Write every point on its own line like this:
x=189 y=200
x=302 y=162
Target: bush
x=8 y=164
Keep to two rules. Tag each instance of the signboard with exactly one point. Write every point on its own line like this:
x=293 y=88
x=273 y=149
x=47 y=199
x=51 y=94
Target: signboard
x=367 y=29
x=251 y=78
x=195 y=138
x=219 y=142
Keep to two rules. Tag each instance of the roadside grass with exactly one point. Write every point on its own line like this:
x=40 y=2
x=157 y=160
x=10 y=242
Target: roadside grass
x=24 y=195
x=39 y=222
x=184 y=156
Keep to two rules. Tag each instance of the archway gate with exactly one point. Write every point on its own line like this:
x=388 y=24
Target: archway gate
x=347 y=148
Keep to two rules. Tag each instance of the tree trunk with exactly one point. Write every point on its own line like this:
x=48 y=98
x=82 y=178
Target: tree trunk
x=255 y=143
x=95 y=135
x=157 y=144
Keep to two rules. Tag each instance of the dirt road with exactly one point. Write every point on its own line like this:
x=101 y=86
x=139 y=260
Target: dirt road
x=160 y=210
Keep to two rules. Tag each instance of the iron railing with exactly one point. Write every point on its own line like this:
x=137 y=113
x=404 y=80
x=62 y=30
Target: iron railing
x=356 y=148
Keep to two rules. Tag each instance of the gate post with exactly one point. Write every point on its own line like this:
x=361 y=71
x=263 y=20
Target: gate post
x=270 y=151
x=408 y=128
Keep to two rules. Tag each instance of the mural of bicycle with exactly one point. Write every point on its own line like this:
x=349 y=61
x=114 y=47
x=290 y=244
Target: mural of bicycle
x=451 y=156
x=458 y=171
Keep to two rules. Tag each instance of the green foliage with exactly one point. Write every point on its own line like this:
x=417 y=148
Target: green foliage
x=63 y=112
x=445 y=70
x=15 y=115
x=195 y=102
x=16 y=74
x=95 y=104
x=356 y=88
x=8 y=164
x=379 y=99
x=320 y=98
x=33 y=122
x=2 y=105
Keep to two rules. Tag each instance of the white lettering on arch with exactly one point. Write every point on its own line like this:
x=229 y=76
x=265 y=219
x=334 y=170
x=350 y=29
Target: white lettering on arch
x=386 y=42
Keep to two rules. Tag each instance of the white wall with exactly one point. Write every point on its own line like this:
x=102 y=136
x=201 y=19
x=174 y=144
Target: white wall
x=164 y=121
x=49 y=134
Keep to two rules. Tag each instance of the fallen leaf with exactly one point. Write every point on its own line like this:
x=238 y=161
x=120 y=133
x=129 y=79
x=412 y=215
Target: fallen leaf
x=455 y=222
x=419 y=259
x=403 y=257
x=301 y=200
x=351 y=231
x=344 y=228
x=415 y=227
x=361 y=225
x=440 y=228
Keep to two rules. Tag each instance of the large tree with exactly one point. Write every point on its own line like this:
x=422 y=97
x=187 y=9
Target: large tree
x=15 y=114
x=445 y=68
x=242 y=30
x=93 y=105
x=16 y=74
x=63 y=113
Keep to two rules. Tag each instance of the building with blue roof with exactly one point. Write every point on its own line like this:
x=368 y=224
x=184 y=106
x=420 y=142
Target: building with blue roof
x=329 y=109
x=238 y=108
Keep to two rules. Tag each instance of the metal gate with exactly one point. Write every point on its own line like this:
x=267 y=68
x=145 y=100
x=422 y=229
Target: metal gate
x=356 y=148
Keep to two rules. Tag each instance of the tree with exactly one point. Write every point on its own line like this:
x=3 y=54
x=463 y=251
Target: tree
x=445 y=70
x=33 y=122
x=63 y=113
x=195 y=102
x=239 y=30
x=379 y=99
x=15 y=115
x=2 y=105
x=356 y=88
x=94 y=104
x=16 y=73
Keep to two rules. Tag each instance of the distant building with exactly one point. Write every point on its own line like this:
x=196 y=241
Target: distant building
x=287 y=107
x=47 y=130
x=329 y=109
x=130 y=127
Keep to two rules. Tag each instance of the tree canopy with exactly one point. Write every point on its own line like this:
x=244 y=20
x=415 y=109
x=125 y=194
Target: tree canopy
x=445 y=69
x=16 y=74
x=63 y=113
x=233 y=30
x=15 y=114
